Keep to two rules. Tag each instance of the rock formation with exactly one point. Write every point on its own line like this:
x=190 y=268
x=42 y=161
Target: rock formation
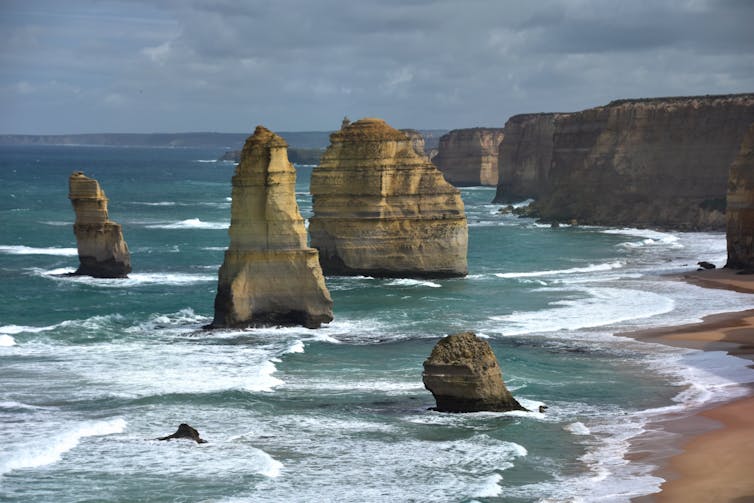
x=469 y=156
x=417 y=141
x=185 y=431
x=382 y=210
x=740 y=229
x=463 y=375
x=659 y=162
x=103 y=252
x=270 y=275
x=525 y=156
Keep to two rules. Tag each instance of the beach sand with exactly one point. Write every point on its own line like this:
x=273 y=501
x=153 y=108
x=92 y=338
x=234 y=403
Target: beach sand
x=714 y=461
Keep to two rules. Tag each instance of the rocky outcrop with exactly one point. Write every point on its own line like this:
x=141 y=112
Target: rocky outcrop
x=463 y=375
x=270 y=276
x=468 y=157
x=652 y=162
x=740 y=228
x=382 y=210
x=187 y=432
x=417 y=141
x=525 y=156
x=103 y=252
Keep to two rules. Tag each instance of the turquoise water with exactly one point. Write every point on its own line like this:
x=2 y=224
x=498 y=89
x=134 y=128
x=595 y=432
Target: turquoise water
x=93 y=370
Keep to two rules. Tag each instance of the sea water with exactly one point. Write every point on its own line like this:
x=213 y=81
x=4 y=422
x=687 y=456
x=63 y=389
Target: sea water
x=93 y=370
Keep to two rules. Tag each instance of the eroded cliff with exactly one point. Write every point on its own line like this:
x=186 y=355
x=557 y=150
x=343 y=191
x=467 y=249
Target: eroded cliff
x=269 y=276
x=380 y=209
x=524 y=157
x=469 y=157
x=740 y=228
x=659 y=162
x=103 y=252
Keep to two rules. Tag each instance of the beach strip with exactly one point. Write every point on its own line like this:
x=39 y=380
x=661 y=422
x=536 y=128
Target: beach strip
x=716 y=462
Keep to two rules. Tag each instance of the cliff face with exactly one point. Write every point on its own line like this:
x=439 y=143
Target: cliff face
x=469 y=156
x=382 y=210
x=655 y=162
x=525 y=156
x=740 y=229
x=103 y=252
x=417 y=141
x=269 y=275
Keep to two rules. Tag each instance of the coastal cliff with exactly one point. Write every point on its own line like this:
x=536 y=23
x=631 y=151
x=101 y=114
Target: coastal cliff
x=740 y=228
x=524 y=157
x=269 y=276
x=382 y=210
x=103 y=252
x=417 y=141
x=660 y=162
x=469 y=157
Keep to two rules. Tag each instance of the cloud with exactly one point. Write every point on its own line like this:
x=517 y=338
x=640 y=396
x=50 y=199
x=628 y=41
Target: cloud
x=297 y=65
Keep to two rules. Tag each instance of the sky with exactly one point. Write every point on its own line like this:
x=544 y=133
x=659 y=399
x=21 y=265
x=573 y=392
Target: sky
x=88 y=66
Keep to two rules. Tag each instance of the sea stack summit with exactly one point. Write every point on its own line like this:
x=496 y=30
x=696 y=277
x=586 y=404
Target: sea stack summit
x=381 y=209
x=103 y=252
x=269 y=276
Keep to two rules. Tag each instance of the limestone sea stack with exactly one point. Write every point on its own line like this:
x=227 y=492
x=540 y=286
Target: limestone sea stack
x=659 y=162
x=417 y=141
x=524 y=157
x=382 y=210
x=270 y=276
x=740 y=229
x=463 y=375
x=103 y=252
x=469 y=157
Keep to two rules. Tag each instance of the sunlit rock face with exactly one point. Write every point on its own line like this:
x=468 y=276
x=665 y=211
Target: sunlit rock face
x=659 y=162
x=380 y=209
x=269 y=276
x=103 y=252
x=740 y=212
x=469 y=157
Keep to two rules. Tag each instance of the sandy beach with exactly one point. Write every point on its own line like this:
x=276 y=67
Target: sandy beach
x=715 y=458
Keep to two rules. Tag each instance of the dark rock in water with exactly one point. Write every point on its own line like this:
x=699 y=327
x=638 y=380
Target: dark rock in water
x=463 y=375
x=185 y=431
x=542 y=408
x=705 y=265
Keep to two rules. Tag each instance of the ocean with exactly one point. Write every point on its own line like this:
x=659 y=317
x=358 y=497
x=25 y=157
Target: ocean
x=92 y=371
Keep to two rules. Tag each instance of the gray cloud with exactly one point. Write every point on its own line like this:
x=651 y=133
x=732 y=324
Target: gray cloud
x=193 y=65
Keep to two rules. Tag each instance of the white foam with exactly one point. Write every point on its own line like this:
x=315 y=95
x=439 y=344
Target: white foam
x=295 y=347
x=191 y=223
x=650 y=237
x=158 y=203
x=7 y=341
x=133 y=279
x=577 y=428
x=270 y=467
x=47 y=451
x=413 y=282
x=490 y=487
x=601 y=307
x=206 y=160
x=556 y=272
x=19 y=329
x=28 y=250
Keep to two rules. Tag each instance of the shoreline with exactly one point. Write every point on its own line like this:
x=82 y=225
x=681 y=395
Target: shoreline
x=710 y=456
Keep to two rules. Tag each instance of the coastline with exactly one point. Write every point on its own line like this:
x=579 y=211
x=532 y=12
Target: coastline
x=712 y=455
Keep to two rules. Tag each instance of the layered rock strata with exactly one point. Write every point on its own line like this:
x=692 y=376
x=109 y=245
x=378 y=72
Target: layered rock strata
x=417 y=141
x=740 y=213
x=382 y=210
x=463 y=375
x=524 y=157
x=659 y=163
x=469 y=157
x=103 y=252
x=269 y=276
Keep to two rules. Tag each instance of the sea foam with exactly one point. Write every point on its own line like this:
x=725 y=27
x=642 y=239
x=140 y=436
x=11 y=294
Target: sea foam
x=191 y=223
x=28 y=250
x=556 y=272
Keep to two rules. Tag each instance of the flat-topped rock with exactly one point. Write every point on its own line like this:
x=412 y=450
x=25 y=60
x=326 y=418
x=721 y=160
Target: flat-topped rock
x=103 y=252
x=463 y=375
x=740 y=212
x=380 y=209
x=269 y=276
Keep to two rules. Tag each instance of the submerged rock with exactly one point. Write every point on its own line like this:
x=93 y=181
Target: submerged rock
x=740 y=225
x=185 y=431
x=380 y=209
x=463 y=375
x=269 y=276
x=103 y=252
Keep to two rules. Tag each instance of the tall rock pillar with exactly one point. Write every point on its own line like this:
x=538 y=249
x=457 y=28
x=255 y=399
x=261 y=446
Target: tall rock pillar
x=103 y=252
x=270 y=276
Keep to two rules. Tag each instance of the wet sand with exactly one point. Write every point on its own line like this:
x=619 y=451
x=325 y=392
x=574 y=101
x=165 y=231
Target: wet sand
x=714 y=459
